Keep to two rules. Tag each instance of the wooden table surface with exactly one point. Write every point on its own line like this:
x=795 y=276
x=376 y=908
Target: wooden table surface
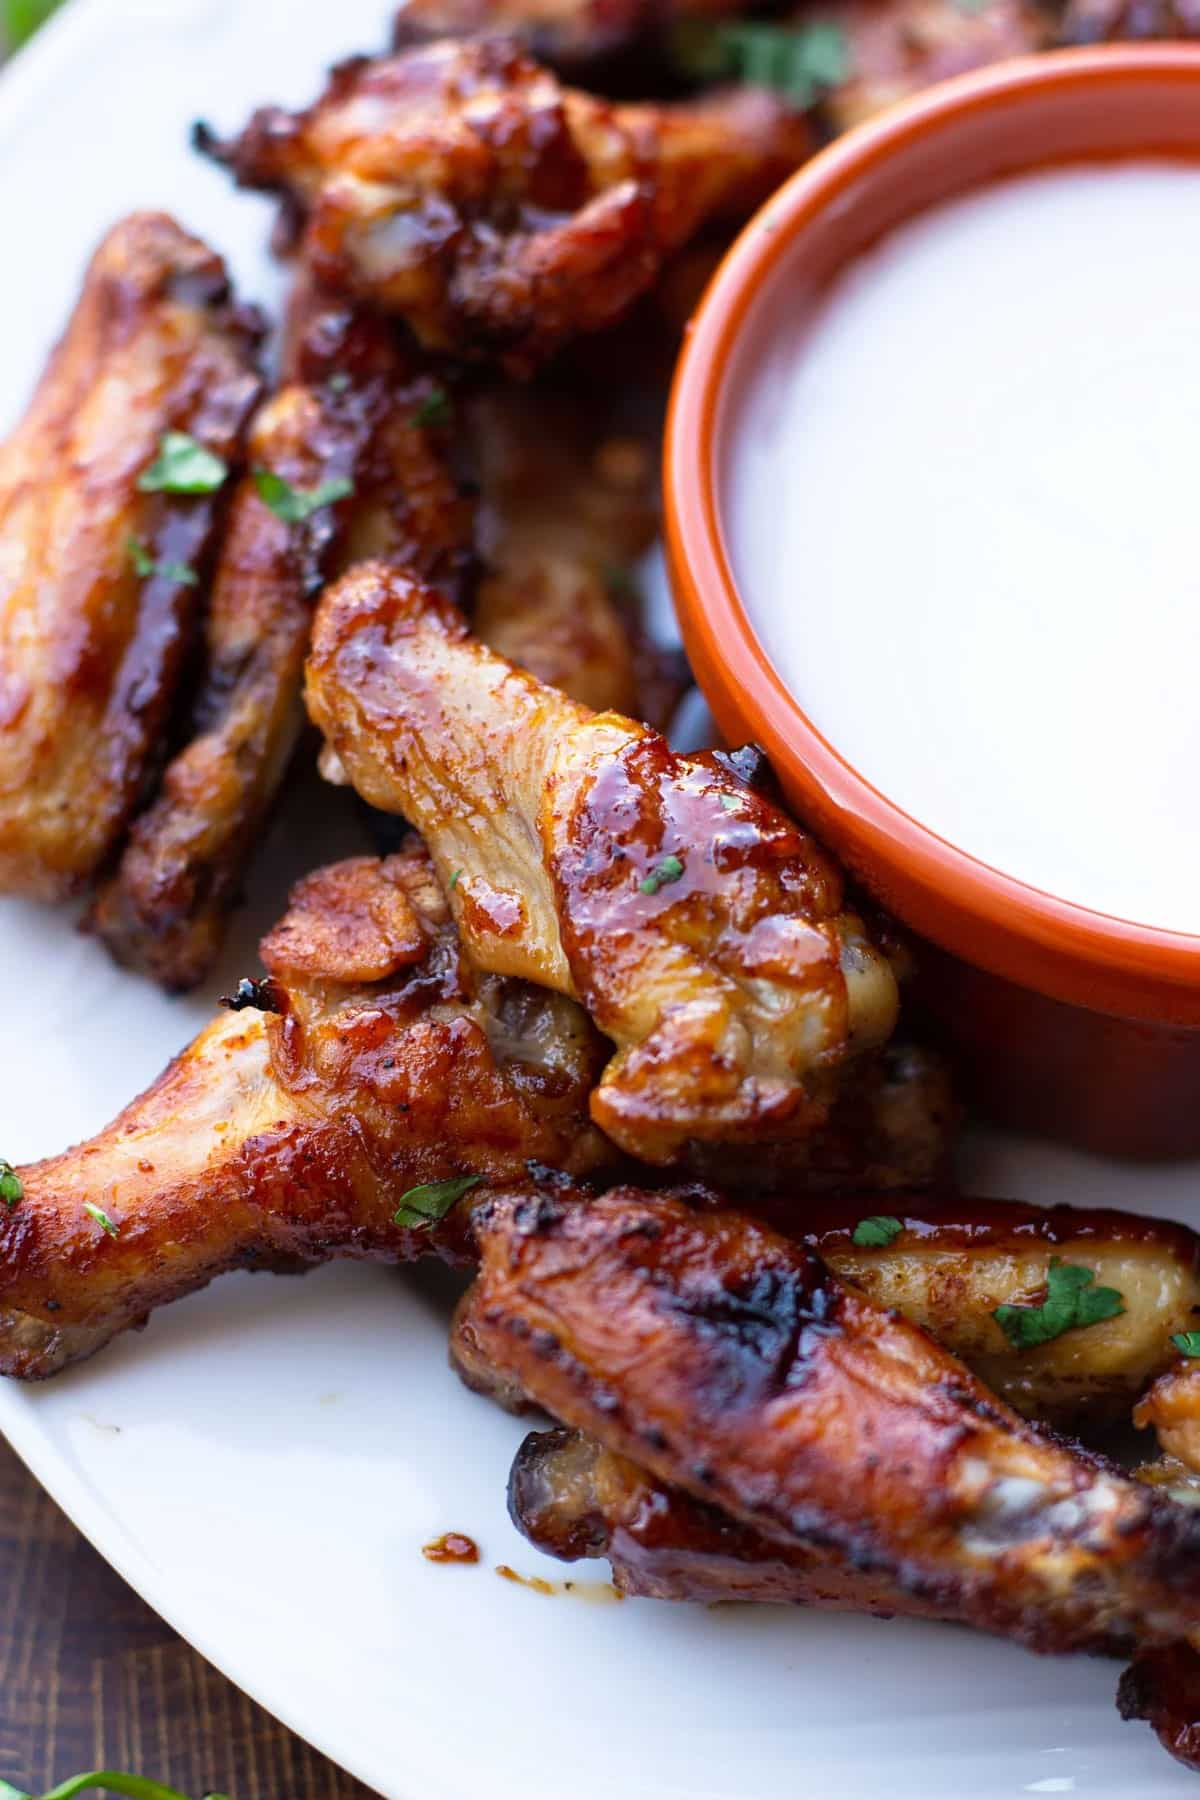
x=91 y=1678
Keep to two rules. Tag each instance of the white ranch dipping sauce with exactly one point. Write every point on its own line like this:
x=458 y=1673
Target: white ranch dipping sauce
x=964 y=516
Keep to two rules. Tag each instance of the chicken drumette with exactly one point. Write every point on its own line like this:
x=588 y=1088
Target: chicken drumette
x=108 y=503
x=462 y=187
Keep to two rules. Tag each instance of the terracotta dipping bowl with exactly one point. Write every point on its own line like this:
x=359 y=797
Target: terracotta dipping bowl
x=1065 y=1021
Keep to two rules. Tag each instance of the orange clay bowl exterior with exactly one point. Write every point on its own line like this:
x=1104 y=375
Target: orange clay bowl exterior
x=1062 y=1020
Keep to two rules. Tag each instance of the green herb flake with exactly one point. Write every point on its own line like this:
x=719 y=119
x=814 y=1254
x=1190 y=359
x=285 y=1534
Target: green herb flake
x=877 y=1232
x=339 y=383
x=101 y=1217
x=182 y=574
x=1071 y=1303
x=183 y=466
x=295 y=505
x=800 y=62
x=424 y=1206
x=132 y=1787
x=1186 y=1342
x=668 y=870
x=730 y=802
x=11 y=1188
x=437 y=408
x=454 y=880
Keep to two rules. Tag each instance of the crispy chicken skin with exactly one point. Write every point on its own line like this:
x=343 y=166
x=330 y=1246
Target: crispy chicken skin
x=956 y=1260
x=567 y=34
x=350 y=414
x=703 y=931
x=564 y=513
x=281 y=1139
x=1163 y=1688
x=460 y=186
x=732 y=1365
x=91 y=649
x=574 y=1499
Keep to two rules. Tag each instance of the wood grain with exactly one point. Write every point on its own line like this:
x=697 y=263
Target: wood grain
x=91 y=1678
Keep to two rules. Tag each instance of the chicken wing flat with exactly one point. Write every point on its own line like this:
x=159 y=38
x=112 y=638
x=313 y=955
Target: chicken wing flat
x=574 y=1499
x=564 y=512
x=732 y=1365
x=286 y=1136
x=100 y=565
x=954 y=1263
x=703 y=931
x=348 y=428
x=462 y=187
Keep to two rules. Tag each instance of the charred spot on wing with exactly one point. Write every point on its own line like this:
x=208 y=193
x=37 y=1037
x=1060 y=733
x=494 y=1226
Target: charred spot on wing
x=762 y=1332
x=260 y=996
x=538 y=1215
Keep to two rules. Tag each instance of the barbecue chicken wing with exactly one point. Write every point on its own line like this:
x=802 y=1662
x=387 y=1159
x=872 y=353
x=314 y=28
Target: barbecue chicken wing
x=732 y=1365
x=568 y=34
x=574 y=1499
x=1163 y=1688
x=1109 y=21
x=896 y=47
x=955 y=1262
x=564 y=513
x=1172 y=1407
x=286 y=1136
x=461 y=187
x=704 y=932
x=99 y=577
x=347 y=426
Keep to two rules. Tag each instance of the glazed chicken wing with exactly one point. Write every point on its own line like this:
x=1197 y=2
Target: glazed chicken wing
x=567 y=34
x=574 y=1499
x=896 y=47
x=286 y=1136
x=461 y=187
x=346 y=427
x=704 y=932
x=99 y=573
x=732 y=1365
x=564 y=512
x=956 y=1262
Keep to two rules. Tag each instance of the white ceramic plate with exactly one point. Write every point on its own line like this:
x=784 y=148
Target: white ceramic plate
x=265 y=1463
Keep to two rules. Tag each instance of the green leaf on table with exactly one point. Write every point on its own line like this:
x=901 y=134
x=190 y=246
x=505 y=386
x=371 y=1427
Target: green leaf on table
x=104 y=1781
x=19 y=19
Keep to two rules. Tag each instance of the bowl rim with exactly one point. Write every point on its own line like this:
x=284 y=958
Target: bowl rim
x=977 y=912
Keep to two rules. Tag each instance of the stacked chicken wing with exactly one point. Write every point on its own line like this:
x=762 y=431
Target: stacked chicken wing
x=607 y=1028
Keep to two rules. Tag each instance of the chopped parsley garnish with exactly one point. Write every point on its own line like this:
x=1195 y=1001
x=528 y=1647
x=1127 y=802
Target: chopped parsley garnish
x=101 y=1217
x=1187 y=1342
x=11 y=1189
x=182 y=574
x=437 y=408
x=294 y=505
x=455 y=879
x=800 y=62
x=877 y=1232
x=339 y=383
x=669 y=869
x=730 y=802
x=1071 y=1302
x=424 y=1206
x=183 y=466
x=132 y=1787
